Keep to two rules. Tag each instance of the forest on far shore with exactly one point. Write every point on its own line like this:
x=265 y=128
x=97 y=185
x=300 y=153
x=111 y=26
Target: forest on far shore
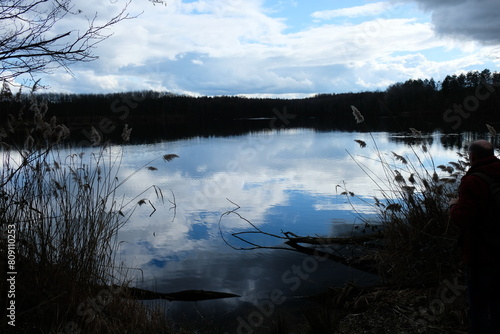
x=464 y=102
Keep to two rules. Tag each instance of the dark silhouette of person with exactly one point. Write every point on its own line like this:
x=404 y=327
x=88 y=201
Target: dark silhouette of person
x=470 y=212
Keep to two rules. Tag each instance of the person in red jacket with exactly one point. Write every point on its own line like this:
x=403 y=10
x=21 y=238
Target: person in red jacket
x=469 y=212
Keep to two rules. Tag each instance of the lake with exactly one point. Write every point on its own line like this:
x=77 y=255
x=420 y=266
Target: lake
x=282 y=180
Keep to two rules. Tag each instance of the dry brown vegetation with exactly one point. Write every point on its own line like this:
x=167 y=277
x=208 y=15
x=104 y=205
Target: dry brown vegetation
x=64 y=212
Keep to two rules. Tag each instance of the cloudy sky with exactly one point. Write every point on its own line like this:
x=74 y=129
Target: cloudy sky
x=284 y=48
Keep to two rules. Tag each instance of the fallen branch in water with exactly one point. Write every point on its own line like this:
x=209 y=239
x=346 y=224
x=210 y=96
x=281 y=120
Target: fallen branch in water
x=335 y=249
x=349 y=240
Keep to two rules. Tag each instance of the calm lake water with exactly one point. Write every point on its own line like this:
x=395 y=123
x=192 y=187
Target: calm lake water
x=282 y=181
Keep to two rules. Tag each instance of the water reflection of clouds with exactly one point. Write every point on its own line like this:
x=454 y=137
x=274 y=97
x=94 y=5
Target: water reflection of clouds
x=281 y=180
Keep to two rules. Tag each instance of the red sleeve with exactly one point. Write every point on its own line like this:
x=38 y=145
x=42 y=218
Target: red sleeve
x=471 y=196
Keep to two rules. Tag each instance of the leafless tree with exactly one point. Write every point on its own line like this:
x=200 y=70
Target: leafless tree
x=30 y=44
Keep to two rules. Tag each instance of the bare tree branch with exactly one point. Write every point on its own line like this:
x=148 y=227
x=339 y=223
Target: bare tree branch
x=29 y=43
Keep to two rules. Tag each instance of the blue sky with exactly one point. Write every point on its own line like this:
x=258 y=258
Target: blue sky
x=283 y=48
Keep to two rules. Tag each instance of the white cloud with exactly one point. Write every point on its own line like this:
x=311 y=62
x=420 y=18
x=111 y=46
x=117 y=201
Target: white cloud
x=370 y=9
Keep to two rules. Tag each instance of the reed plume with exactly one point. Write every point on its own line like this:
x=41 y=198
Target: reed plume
x=357 y=115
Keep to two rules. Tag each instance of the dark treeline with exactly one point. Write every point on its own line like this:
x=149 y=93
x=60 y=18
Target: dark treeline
x=459 y=103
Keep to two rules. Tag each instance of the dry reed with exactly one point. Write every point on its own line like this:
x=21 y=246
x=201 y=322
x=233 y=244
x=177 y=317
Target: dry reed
x=420 y=245
x=66 y=214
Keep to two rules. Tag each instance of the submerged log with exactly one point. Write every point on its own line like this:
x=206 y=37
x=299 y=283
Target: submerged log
x=186 y=295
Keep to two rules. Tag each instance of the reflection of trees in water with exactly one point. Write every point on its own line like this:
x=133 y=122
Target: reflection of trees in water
x=460 y=141
x=456 y=141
